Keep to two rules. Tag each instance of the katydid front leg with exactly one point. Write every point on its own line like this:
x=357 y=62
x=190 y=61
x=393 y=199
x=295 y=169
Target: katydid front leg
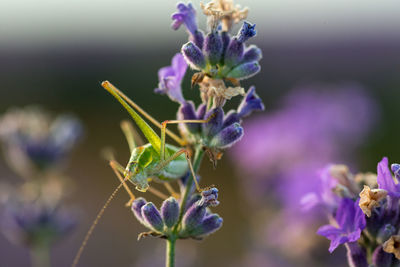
x=164 y=162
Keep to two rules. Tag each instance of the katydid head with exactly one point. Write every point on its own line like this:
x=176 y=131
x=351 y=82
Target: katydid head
x=138 y=169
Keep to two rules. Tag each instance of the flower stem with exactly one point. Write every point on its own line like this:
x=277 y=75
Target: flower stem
x=40 y=256
x=198 y=157
x=170 y=252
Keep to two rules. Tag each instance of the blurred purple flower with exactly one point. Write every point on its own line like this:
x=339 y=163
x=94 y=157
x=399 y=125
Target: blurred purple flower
x=351 y=221
x=170 y=79
x=32 y=136
x=312 y=129
x=30 y=223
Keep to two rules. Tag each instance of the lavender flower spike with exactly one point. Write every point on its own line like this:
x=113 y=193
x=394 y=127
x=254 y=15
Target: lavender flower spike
x=385 y=179
x=170 y=79
x=351 y=221
x=250 y=103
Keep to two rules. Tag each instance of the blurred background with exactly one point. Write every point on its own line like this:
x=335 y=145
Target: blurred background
x=342 y=54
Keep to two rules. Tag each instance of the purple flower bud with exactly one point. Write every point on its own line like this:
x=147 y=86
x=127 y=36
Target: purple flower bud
x=250 y=103
x=137 y=205
x=170 y=212
x=246 y=32
x=213 y=47
x=197 y=38
x=245 y=70
x=382 y=259
x=186 y=15
x=396 y=170
x=152 y=217
x=187 y=112
x=228 y=136
x=193 y=55
x=234 y=53
x=231 y=118
x=193 y=217
x=209 y=197
x=356 y=256
x=252 y=53
x=209 y=225
x=212 y=127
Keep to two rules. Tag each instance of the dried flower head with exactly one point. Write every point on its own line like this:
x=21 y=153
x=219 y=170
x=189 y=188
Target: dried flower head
x=393 y=246
x=369 y=199
x=223 y=11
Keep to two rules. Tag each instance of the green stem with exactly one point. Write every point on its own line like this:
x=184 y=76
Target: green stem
x=40 y=256
x=170 y=252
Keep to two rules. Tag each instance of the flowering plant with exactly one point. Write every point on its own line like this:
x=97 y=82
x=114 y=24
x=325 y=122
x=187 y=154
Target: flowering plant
x=221 y=61
x=363 y=211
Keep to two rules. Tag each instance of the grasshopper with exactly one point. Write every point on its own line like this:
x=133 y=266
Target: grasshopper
x=155 y=160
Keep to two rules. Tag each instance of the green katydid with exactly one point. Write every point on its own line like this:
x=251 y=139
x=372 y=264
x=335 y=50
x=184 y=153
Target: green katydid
x=156 y=159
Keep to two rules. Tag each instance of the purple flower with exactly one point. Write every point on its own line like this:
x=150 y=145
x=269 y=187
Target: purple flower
x=351 y=221
x=385 y=179
x=186 y=15
x=170 y=79
x=250 y=103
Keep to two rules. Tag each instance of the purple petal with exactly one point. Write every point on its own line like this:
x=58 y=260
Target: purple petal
x=345 y=213
x=338 y=240
x=385 y=179
x=170 y=79
x=354 y=236
x=359 y=217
